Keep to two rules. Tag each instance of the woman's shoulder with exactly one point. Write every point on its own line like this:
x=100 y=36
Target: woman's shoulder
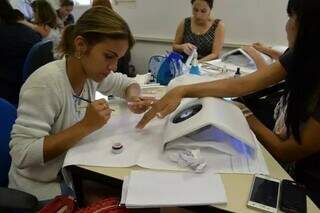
x=217 y=23
x=48 y=75
x=54 y=35
x=185 y=21
x=182 y=25
x=286 y=60
x=18 y=29
x=43 y=29
x=316 y=112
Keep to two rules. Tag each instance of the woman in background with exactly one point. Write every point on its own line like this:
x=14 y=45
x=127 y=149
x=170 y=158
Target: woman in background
x=15 y=42
x=45 y=21
x=201 y=32
x=24 y=6
x=296 y=135
x=64 y=13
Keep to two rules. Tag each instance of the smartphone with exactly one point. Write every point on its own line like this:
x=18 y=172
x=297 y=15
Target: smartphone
x=292 y=197
x=264 y=193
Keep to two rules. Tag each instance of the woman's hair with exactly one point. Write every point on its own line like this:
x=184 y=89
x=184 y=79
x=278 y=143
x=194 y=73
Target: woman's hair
x=44 y=14
x=19 y=16
x=66 y=3
x=7 y=13
x=105 y=3
x=304 y=77
x=209 y=2
x=95 y=25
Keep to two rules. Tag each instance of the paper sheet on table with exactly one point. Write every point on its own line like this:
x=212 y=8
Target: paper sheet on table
x=163 y=189
x=145 y=148
x=143 y=79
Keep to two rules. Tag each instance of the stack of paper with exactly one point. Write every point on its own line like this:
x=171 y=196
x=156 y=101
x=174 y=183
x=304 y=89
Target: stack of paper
x=145 y=189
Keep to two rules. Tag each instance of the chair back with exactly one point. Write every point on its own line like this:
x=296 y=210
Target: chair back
x=8 y=115
x=40 y=54
x=155 y=64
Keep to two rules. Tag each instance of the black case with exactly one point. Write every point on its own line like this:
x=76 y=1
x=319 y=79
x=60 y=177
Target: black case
x=292 y=197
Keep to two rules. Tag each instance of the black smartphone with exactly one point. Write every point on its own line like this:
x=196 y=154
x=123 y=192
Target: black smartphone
x=292 y=197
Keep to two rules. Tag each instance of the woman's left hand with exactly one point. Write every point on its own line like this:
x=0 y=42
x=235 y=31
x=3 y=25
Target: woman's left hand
x=139 y=105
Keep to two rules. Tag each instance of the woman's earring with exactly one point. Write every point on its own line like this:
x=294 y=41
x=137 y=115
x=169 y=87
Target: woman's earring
x=78 y=55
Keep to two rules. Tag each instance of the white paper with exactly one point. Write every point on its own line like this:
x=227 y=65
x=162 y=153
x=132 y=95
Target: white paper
x=145 y=148
x=163 y=189
x=143 y=79
x=95 y=149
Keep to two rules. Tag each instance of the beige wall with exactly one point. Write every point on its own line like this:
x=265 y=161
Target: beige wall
x=142 y=51
x=144 y=47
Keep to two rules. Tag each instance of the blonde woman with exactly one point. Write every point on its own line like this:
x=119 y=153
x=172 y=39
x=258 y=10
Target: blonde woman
x=50 y=115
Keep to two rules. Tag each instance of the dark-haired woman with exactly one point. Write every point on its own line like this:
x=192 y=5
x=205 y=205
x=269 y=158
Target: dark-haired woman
x=201 y=32
x=296 y=137
x=65 y=16
x=15 y=42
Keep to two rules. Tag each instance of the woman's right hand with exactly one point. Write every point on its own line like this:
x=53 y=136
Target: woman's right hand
x=97 y=115
x=188 y=48
x=163 y=107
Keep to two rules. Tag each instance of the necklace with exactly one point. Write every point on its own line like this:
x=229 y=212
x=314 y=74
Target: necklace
x=79 y=104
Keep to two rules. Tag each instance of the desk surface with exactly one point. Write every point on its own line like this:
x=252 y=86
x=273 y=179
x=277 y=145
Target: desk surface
x=237 y=186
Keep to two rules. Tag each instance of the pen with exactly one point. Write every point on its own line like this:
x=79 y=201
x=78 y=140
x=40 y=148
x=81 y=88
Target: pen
x=83 y=99
x=87 y=100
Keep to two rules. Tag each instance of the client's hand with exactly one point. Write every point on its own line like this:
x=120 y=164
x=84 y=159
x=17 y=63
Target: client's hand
x=163 y=107
x=140 y=104
x=188 y=48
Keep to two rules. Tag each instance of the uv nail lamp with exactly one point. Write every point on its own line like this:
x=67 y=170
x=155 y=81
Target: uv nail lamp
x=209 y=123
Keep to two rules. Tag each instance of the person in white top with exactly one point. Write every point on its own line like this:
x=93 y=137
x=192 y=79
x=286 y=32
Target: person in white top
x=24 y=6
x=51 y=118
x=45 y=21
